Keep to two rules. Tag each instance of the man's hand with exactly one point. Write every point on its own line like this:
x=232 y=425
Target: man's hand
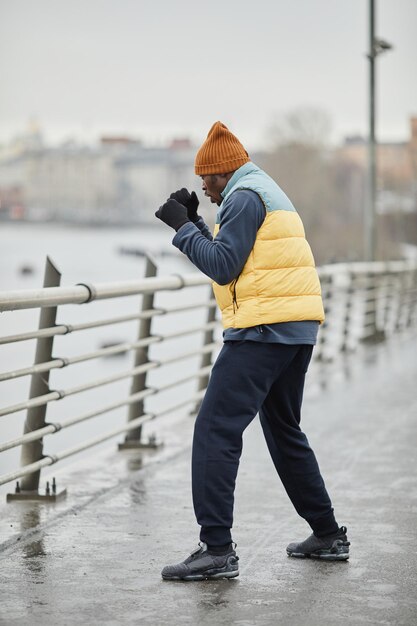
x=173 y=213
x=189 y=200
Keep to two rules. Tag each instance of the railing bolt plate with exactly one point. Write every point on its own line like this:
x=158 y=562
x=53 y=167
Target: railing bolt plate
x=41 y=495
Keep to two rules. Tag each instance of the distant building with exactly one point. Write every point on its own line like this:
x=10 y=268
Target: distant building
x=120 y=181
x=123 y=181
x=396 y=169
x=145 y=177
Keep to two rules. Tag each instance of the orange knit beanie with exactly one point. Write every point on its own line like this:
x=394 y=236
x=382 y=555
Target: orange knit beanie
x=221 y=152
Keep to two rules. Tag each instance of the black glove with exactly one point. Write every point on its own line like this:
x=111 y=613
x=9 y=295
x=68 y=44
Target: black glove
x=173 y=213
x=189 y=200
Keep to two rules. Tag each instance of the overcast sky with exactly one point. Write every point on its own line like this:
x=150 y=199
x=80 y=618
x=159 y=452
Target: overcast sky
x=154 y=68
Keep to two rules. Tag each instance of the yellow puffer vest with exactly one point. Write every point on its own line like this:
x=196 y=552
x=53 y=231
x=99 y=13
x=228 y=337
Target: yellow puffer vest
x=279 y=281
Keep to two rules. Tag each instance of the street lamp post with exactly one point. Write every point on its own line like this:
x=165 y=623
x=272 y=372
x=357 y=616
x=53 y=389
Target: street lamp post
x=376 y=46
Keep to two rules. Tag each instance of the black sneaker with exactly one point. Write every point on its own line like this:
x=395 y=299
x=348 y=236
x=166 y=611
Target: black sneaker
x=333 y=547
x=201 y=565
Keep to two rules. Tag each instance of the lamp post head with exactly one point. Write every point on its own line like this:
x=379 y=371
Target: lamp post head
x=380 y=46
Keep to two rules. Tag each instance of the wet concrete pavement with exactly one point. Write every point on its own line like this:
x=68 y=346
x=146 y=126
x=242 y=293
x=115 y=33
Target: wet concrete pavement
x=96 y=557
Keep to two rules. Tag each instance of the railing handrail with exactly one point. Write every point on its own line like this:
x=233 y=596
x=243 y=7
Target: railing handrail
x=83 y=293
x=87 y=292
x=362 y=267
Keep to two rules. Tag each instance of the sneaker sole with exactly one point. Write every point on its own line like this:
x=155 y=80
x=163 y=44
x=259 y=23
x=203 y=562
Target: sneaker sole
x=195 y=577
x=323 y=557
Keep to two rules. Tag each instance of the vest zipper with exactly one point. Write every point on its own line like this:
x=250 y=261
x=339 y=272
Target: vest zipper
x=234 y=299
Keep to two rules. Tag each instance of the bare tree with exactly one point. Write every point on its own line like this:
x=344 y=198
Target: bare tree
x=327 y=189
x=306 y=126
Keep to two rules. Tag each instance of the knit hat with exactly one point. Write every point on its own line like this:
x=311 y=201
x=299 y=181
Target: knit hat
x=221 y=152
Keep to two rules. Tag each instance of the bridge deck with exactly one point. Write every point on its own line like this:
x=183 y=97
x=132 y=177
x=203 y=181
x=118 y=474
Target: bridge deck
x=96 y=557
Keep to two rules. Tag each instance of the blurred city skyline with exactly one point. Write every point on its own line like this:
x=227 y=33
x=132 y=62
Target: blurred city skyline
x=155 y=70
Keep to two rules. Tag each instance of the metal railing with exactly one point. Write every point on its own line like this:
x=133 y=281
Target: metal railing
x=363 y=302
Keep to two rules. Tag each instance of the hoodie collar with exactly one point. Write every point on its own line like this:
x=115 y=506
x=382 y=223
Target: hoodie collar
x=247 y=168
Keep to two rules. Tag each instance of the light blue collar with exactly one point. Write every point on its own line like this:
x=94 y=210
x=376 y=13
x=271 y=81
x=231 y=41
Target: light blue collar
x=247 y=168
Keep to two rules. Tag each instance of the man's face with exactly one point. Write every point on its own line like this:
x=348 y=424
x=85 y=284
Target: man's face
x=213 y=185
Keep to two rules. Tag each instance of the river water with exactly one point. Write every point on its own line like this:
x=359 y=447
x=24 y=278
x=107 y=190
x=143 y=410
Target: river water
x=87 y=254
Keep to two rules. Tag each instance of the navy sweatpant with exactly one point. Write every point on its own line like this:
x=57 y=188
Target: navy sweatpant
x=250 y=377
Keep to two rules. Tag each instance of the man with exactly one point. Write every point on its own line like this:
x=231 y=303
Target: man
x=268 y=290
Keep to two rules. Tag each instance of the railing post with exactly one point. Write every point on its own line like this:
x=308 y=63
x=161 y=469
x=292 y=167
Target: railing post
x=402 y=288
x=207 y=357
x=35 y=417
x=327 y=286
x=373 y=334
x=412 y=297
x=133 y=438
x=387 y=301
x=347 y=320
